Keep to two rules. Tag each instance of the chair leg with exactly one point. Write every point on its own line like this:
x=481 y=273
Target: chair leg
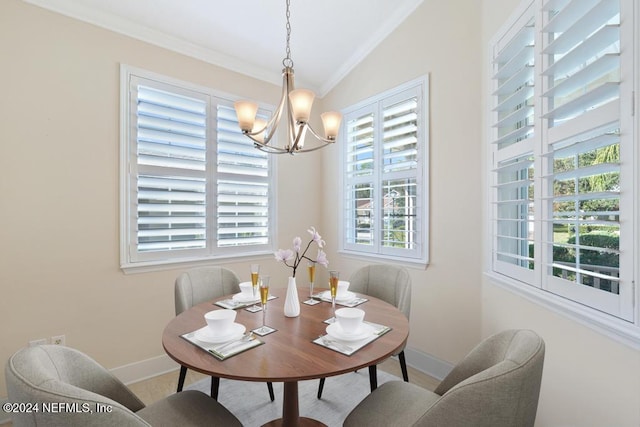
x=373 y=377
x=403 y=366
x=320 y=387
x=215 y=385
x=271 y=395
x=183 y=375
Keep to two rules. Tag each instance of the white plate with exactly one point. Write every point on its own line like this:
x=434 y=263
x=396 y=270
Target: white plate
x=246 y=298
x=206 y=335
x=346 y=298
x=334 y=330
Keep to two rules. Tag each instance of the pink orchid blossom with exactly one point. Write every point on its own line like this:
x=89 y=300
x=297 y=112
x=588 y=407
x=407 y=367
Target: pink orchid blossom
x=297 y=254
x=297 y=244
x=315 y=236
x=322 y=258
x=284 y=255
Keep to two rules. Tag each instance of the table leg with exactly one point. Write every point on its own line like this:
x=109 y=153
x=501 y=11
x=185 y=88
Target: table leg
x=290 y=411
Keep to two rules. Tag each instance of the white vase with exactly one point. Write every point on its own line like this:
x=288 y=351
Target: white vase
x=291 y=302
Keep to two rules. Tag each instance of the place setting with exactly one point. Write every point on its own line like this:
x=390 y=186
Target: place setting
x=349 y=332
x=343 y=296
x=222 y=336
x=248 y=297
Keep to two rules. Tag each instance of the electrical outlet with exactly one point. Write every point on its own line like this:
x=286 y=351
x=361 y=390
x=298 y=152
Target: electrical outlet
x=58 y=340
x=39 y=341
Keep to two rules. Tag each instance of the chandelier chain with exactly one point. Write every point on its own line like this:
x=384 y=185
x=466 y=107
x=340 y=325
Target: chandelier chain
x=287 y=61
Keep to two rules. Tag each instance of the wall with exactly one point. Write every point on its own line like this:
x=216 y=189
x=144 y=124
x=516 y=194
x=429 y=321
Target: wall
x=59 y=209
x=439 y=39
x=588 y=379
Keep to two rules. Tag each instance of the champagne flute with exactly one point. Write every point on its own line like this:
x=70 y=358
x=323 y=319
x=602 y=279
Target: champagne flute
x=264 y=296
x=255 y=272
x=312 y=276
x=334 y=277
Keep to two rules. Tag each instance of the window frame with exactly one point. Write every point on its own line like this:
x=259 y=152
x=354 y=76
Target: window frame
x=131 y=263
x=541 y=289
x=375 y=105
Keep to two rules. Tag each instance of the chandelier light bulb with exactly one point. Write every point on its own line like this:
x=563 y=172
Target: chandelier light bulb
x=246 y=112
x=259 y=129
x=331 y=122
x=301 y=102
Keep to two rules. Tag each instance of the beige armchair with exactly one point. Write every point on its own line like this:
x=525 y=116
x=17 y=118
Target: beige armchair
x=496 y=385
x=77 y=391
x=389 y=283
x=196 y=286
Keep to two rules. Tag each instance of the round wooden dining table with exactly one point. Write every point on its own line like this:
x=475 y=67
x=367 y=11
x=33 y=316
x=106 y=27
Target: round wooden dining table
x=288 y=355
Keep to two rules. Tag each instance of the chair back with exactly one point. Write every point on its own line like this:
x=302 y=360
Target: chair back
x=389 y=283
x=202 y=284
x=496 y=384
x=69 y=388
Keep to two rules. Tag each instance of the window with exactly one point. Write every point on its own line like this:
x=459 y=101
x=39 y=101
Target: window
x=193 y=187
x=385 y=203
x=562 y=214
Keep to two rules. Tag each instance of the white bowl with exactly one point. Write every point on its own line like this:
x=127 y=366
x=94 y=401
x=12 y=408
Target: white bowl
x=220 y=321
x=350 y=319
x=343 y=287
x=246 y=288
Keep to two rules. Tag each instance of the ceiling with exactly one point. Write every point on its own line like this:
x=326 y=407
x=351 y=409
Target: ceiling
x=328 y=37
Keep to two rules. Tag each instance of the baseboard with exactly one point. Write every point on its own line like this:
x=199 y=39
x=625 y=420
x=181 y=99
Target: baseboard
x=149 y=368
x=145 y=369
x=427 y=363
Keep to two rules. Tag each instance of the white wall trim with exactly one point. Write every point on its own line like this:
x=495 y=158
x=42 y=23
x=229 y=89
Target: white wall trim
x=427 y=364
x=145 y=369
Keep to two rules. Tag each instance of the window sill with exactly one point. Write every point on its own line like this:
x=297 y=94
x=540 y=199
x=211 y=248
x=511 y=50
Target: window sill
x=417 y=263
x=620 y=330
x=172 y=264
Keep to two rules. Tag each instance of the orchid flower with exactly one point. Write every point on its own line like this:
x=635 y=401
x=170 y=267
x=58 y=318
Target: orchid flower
x=322 y=258
x=315 y=236
x=297 y=244
x=297 y=254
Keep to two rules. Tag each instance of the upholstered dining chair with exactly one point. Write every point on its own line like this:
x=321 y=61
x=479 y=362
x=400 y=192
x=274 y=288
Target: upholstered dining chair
x=80 y=392
x=196 y=286
x=389 y=283
x=496 y=384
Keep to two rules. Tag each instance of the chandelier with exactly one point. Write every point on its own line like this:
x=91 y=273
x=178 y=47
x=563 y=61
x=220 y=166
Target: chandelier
x=297 y=103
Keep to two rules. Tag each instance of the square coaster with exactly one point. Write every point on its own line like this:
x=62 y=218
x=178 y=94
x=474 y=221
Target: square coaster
x=267 y=330
x=254 y=308
x=311 y=302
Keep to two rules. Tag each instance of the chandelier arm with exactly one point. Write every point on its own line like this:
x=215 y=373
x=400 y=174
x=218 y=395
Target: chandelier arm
x=274 y=119
x=306 y=150
x=300 y=133
x=320 y=138
x=267 y=148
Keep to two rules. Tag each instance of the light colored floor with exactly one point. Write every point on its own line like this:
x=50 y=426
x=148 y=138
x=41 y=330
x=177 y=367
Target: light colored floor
x=161 y=386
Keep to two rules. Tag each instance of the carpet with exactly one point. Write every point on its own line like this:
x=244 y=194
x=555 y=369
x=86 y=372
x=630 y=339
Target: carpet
x=249 y=401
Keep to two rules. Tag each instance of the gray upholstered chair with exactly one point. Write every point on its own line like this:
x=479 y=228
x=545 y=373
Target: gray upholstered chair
x=389 y=283
x=196 y=286
x=75 y=388
x=496 y=385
